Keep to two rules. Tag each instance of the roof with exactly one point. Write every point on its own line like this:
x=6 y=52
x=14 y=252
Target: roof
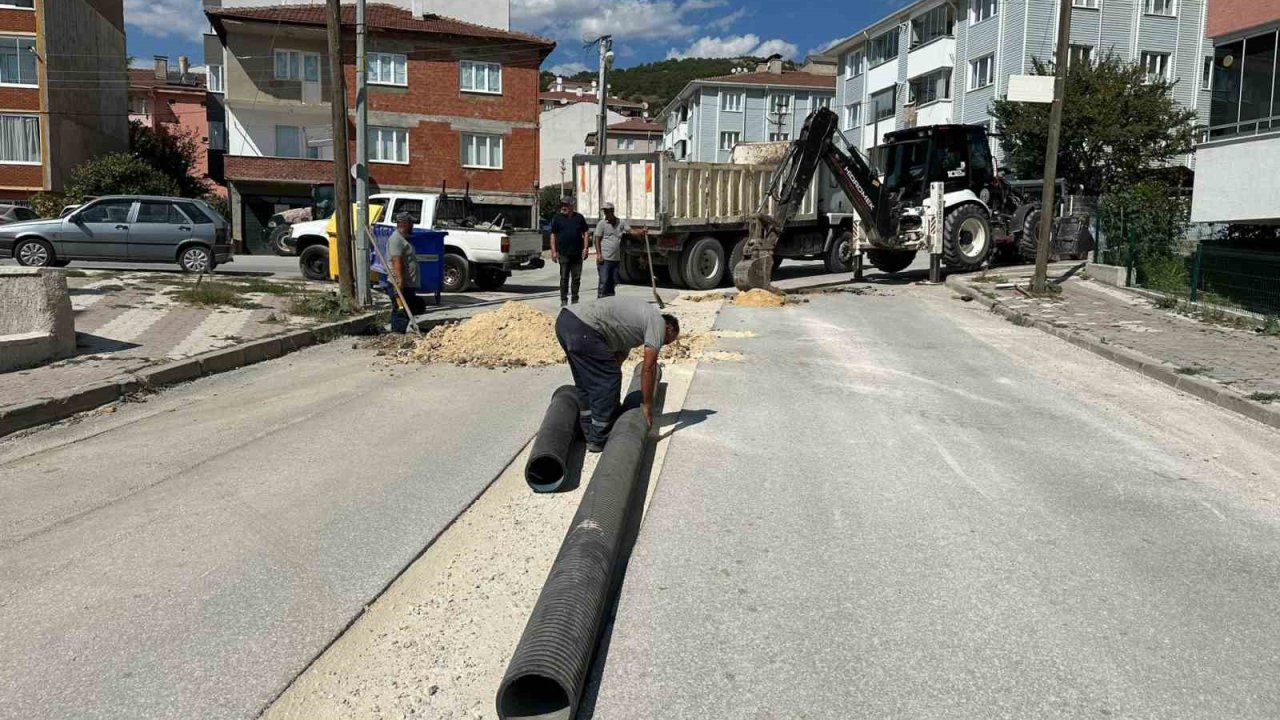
x=146 y=77
x=637 y=125
x=787 y=78
x=585 y=97
x=379 y=16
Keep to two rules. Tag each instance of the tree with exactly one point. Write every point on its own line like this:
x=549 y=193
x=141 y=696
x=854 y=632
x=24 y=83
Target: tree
x=1116 y=129
x=549 y=201
x=172 y=152
x=118 y=174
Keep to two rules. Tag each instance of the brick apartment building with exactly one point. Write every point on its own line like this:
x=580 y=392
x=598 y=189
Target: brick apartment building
x=452 y=105
x=173 y=99
x=62 y=90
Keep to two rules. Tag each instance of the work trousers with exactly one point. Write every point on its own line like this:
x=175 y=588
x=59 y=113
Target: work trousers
x=608 y=272
x=400 y=318
x=570 y=277
x=596 y=373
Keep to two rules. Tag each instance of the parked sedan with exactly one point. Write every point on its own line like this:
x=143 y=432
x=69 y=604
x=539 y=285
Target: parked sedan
x=142 y=229
x=16 y=213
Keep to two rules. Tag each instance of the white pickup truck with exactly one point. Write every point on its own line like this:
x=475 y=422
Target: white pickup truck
x=474 y=252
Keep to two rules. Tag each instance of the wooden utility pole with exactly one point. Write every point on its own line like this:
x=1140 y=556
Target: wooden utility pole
x=341 y=179
x=1040 y=280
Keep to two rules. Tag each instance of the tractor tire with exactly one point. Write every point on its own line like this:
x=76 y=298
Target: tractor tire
x=966 y=238
x=1029 y=236
x=702 y=263
x=314 y=262
x=890 y=261
x=277 y=241
x=457 y=273
x=839 y=257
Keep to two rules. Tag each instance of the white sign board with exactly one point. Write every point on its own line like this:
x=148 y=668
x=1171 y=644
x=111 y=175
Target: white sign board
x=1031 y=88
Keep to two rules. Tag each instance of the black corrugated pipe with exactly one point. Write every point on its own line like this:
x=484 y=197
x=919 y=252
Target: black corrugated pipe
x=547 y=673
x=545 y=470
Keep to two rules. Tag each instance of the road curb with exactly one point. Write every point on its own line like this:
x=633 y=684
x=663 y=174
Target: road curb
x=50 y=409
x=1155 y=369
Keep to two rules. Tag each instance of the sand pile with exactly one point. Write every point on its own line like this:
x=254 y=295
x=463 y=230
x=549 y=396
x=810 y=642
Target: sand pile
x=514 y=335
x=759 y=298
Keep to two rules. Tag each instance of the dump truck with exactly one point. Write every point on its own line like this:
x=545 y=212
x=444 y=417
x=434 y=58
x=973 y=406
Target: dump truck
x=694 y=218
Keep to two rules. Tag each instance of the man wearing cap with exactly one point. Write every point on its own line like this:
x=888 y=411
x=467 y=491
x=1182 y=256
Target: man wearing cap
x=609 y=233
x=568 y=248
x=403 y=273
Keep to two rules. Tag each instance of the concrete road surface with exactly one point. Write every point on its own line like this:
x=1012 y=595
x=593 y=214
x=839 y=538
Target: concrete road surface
x=906 y=508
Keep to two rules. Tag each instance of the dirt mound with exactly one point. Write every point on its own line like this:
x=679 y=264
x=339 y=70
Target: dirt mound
x=704 y=297
x=514 y=335
x=759 y=298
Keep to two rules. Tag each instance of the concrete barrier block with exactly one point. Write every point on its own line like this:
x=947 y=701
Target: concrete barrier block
x=37 y=325
x=1109 y=274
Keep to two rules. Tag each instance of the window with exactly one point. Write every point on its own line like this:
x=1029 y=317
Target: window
x=729 y=139
x=822 y=102
x=107 y=211
x=288 y=141
x=626 y=143
x=779 y=136
x=1259 y=78
x=217 y=135
x=1078 y=54
x=884 y=47
x=1156 y=65
x=215 y=79
x=884 y=104
x=779 y=104
x=937 y=23
x=1206 y=74
x=982 y=72
x=482 y=151
x=197 y=215
x=20 y=139
x=982 y=10
x=288 y=65
x=388 y=145
x=931 y=88
x=150 y=211
x=481 y=77
x=852 y=116
x=413 y=207
x=1086 y=4
x=1161 y=7
x=138 y=105
x=388 y=69
x=18 y=61
x=731 y=102
x=854 y=68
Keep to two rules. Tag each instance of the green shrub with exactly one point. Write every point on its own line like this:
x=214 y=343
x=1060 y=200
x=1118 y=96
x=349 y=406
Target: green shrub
x=323 y=306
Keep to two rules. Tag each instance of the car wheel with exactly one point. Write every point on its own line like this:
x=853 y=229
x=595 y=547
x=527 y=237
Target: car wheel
x=314 y=262
x=34 y=252
x=457 y=273
x=195 y=259
x=490 y=279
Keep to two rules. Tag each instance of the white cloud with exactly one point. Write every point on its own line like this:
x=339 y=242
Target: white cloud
x=567 y=69
x=164 y=18
x=734 y=46
x=630 y=19
x=823 y=47
x=726 y=22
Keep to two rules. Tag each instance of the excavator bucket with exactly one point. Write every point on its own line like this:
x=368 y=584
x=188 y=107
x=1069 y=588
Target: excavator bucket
x=755 y=272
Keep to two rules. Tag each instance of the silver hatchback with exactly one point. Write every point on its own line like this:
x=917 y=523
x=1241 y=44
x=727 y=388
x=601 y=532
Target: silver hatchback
x=134 y=229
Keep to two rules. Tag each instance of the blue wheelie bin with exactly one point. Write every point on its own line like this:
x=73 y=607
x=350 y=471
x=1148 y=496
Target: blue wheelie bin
x=429 y=246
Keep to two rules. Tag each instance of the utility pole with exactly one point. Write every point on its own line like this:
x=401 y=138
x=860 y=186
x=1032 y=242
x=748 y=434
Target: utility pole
x=606 y=59
x=362 y=162
x=561 y=177
x=341 y=178
x=1039 y=281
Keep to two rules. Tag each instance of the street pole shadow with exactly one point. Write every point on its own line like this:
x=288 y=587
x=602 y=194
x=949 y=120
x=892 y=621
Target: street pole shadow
x=684 y=419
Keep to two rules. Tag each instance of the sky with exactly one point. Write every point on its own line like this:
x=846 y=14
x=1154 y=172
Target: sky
x=643 y=30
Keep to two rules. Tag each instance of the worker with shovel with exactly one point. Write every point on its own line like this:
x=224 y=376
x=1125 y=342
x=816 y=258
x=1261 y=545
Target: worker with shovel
x=597 y=337
x=403 y=271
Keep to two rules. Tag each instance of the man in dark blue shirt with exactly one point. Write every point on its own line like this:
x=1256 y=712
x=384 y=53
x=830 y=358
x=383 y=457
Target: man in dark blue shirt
x=569 y=247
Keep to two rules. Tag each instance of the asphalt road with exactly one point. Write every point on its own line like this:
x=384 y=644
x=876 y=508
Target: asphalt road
x=903 y=507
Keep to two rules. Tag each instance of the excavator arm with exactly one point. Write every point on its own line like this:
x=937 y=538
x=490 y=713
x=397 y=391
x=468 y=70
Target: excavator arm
x=815 y=145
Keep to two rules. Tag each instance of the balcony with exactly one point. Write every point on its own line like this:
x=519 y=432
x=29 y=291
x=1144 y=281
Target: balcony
x=934 y=113
x=882 y=76
x=940 y=53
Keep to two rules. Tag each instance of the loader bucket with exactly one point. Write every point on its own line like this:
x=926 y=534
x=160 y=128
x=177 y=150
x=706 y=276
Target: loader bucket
x=753 y=273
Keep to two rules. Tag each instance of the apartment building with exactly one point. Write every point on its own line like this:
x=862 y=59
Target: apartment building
x=570 y=111
x=173 y=99
x=936 y=62
x=63 y=95
x=452 y=106
x=1238 y=160
x=632 y=135
x=711 y=115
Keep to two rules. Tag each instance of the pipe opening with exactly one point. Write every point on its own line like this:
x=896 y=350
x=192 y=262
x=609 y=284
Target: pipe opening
x=534 y=697
x=544 y=473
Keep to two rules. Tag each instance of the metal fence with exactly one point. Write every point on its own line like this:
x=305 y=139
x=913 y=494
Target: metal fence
x=1245 y=278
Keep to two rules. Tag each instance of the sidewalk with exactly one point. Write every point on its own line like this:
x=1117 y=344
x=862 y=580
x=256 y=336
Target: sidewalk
x=1234 y=367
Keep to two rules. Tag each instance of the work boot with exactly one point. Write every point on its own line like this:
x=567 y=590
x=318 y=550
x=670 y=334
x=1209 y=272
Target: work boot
x=594 y=448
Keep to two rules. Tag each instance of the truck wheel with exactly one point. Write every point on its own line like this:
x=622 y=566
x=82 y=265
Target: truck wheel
x=672 y=269
x=839 y=257
x=314 y=262
x=490 y=278
x=457 y=273
x=890 y=261
x=627 y=270
x=702 y=263
x=966 y=237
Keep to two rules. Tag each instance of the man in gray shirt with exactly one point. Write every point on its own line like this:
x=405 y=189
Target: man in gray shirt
x=609 y=233
x=404 y=273
x=597 y=337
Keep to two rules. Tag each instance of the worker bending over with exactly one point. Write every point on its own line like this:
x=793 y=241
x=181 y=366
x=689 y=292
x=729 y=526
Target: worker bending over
x=597 y=337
